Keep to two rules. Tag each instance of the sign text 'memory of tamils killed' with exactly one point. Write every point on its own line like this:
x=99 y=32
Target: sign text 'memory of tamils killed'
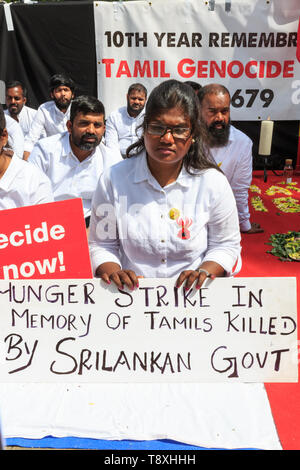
x=234 y=329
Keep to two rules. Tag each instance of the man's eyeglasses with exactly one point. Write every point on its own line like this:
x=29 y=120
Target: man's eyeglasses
x=177 y=132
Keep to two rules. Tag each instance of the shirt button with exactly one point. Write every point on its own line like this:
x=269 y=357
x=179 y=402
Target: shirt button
x=163 y=260
x=162 y=241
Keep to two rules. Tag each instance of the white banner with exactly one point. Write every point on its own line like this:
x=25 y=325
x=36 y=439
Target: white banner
x=241 y=329
x=247 y=45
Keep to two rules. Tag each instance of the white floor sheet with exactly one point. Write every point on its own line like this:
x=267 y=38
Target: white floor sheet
x=230 y=416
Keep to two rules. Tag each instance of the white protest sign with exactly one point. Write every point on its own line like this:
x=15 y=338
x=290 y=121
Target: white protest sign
x=250 y=48
x=242 y=329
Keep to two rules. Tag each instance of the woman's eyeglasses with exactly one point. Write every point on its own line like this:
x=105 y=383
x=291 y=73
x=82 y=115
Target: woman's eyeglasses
x=176 y=131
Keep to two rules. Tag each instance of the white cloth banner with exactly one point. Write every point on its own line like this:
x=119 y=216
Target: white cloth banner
x=249 y=46
x=35 y=315
x=230 y=330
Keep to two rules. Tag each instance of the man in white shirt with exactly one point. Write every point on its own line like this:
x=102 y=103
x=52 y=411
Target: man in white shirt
x=51 y=117
x=15 y=136
x=122 y=125
x=21 y=184
x=16 y=98
x=74 y=160
x=230 y=148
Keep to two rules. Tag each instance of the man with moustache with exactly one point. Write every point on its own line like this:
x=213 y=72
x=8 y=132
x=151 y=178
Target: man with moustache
x=16 y=99
x=51 y=117
x=122 y=126
x=74 y=160
x=230 y=148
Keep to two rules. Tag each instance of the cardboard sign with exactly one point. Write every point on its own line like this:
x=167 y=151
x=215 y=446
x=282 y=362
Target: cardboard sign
x=44 y=241
x=242 y=329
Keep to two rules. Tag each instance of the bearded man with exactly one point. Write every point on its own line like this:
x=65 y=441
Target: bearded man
x=75 y=159
x=123 y=125
x=230 y=148
x=52 y=116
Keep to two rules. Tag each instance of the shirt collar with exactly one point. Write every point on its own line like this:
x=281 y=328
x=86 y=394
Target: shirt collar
x=139 y=116
x=142 y=173
x=67 y=149
x=231 y=137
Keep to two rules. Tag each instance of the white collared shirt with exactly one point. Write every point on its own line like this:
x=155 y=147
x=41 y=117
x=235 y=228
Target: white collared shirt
x=131 y=223
x=24 y=185
x=71 y=178
x=49 y=120
x=25 y=118
x=15 y=135
x=235 y=160
x=121 y=129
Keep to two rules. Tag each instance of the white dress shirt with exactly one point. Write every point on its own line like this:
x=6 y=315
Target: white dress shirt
x=131 y=223
x=15 y=136
x=122 y=130
x=235 y=160
x=25 y=118
x=49 y=120
x=24 y=185
x=71 y=178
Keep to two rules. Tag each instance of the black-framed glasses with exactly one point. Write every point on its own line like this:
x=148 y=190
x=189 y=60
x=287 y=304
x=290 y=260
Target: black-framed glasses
x=178 y=132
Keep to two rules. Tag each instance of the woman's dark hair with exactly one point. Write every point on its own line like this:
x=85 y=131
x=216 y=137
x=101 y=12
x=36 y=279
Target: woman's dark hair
x=86 y=104
x=174 y=94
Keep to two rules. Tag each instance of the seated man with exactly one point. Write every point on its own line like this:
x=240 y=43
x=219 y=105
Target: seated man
x=16 y=98
x=74 y=160
x=230 y=148
x=121 y=125
x=51 y=117
x=15 y=136
x=21 y=184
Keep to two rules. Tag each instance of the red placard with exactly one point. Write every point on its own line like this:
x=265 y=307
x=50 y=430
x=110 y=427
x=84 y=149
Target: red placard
x=46 y=241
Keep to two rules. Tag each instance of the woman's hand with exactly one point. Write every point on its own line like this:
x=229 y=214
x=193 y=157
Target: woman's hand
x=112 y=272
x=192 y=278
x=122 y=278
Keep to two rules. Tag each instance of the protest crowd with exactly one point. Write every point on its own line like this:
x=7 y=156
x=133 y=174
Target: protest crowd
x=163 y=180
x=68 y=148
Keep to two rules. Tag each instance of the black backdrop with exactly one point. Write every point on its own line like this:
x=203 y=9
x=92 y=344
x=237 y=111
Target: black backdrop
x=52 y=37
x=49 y=38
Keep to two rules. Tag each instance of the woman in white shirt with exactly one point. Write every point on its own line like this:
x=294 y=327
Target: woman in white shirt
x=21 y=184
x=167 y=210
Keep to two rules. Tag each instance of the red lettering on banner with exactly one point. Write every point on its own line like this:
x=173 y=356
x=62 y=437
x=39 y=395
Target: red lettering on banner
x=123 y=69
x=40 y=242
x=240 y=69
x=142 y=70
x=215 y=67
x=187 y=68
x=288 y=70
x=107 y=63
x=190 y=71
x=248 y=69
x=273 y=69
x=146 y=68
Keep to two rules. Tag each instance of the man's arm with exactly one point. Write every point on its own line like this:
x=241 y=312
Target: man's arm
x=36 y=131
x=240 y=186
x=111 y=133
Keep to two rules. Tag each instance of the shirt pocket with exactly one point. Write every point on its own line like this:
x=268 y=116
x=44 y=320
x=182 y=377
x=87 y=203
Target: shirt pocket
x=140 y=235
